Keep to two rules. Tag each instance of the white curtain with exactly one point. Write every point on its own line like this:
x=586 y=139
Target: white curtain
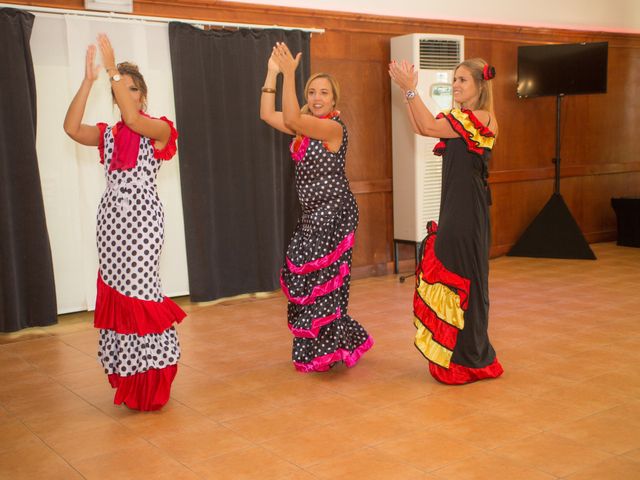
x=71 y=175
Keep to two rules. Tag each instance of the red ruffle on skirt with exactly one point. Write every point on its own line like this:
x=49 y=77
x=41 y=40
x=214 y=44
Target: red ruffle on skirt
x=144 y=391
x=125 y=315
x=459 y=375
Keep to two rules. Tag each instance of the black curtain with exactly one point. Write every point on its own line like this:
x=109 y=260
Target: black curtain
x=27 y=290
x=238 y=191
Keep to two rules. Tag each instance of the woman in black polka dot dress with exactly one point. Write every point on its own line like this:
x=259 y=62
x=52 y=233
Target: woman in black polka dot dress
x=317 y=270
x=138 y=345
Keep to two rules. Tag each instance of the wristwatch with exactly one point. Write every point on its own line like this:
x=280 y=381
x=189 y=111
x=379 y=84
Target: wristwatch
x=410 y=94
x=115 y=78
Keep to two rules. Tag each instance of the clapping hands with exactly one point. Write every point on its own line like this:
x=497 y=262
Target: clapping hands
x=282 y=57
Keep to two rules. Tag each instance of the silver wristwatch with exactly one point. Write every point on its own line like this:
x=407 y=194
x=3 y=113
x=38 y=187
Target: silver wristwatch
x=115 y=78
x=410 y=94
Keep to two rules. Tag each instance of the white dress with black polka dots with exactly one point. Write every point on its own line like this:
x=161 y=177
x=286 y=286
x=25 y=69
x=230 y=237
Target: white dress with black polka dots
x=316 y=274
x=130 y=235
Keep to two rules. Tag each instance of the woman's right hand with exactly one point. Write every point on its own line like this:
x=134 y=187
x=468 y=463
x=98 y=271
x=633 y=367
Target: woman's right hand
x=404 y=75
x=91 y=70
x=272 y=65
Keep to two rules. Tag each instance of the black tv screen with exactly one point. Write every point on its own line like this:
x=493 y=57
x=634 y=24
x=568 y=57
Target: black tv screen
x=567 y=69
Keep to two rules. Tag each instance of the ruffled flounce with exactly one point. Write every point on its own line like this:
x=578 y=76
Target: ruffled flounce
x=130 y=354
x=144 y=391
x=439 y=303
x=320 y=290
x=298 y=148
x=459 y=375
x=477 y=136
x=170 y=149
x=316 y=324
x=125 y=315
x=345 y=244
x=324 y=363
x=102 y=127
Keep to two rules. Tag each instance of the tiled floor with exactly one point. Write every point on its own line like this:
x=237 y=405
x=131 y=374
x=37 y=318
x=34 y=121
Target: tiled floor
x=568 y=405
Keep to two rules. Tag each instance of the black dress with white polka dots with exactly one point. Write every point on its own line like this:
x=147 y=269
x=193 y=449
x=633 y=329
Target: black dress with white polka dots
x=317 y=270
x=134 y=318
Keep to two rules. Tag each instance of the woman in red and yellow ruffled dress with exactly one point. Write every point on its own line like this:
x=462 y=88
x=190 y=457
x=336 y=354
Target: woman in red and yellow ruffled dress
x=317 y=270
x=138 y=345
x=451 y=301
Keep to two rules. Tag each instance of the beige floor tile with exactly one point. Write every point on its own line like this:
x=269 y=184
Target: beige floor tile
x=366 y=463
x=584 y=398
x=551 y=453
x=312 y=445
x=251 y=463
x=617 y=468
x=139 y=462
x=489 y=466
x=609 y=432
x=35 y=461
x=274 y=423
x=75 y=446
x=427 y=451
x=486 y=431
x=15 y=435
x=190 y=446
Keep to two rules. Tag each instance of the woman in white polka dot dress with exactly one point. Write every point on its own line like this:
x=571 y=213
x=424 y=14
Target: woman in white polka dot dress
x=138 y=345
x=317 y=270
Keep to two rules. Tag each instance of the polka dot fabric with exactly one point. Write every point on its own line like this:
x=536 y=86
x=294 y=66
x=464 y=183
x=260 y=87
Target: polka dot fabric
x=318 y=299
x=130 y=235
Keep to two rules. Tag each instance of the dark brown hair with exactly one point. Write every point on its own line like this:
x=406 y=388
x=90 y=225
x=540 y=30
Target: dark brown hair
x=131 y=69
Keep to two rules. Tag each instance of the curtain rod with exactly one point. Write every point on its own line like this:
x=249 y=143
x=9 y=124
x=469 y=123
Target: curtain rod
x=123 y=16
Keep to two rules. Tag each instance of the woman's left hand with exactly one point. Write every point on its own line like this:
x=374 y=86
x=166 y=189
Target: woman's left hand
x=108 y=57
x=284 y=59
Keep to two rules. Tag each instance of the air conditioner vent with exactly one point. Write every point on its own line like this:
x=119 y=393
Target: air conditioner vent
x=439 y=54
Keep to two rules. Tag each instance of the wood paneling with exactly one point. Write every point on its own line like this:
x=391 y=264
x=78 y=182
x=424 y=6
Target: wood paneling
x=600 y=151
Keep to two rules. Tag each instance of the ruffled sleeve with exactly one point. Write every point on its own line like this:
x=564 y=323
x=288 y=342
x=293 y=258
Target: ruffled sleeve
x=102 y=127
x=171 y=147
x=476 y=135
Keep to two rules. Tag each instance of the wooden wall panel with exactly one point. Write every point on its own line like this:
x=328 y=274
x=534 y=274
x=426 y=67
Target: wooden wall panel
x=600 y=149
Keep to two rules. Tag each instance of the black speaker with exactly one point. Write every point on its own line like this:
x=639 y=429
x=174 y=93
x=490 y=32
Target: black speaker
x=553 y=234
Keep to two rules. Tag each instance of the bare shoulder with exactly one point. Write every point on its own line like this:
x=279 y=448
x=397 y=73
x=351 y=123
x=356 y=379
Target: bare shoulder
x=483 y=116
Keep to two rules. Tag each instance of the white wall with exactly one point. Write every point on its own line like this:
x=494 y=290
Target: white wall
x=599 y=15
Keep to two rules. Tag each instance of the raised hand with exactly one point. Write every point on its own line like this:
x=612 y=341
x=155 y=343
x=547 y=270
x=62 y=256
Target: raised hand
x=403 y=74
x=108 y=56
x=272 y=65
x=284 y=59
x=91 y=70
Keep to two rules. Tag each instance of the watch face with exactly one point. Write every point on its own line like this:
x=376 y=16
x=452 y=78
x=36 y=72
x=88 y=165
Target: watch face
x=116 y=78
x=410 y=94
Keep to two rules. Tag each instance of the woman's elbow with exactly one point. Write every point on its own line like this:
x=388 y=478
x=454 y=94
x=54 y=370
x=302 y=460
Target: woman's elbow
x=71 y=131
x=131 y=119
x=291 y=124
x=425 y=131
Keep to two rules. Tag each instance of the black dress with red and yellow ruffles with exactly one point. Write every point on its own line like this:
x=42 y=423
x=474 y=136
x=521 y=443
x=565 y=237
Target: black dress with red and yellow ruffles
x=316 y=274
x=451 y=300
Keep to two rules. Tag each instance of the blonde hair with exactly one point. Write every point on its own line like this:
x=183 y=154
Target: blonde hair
x=131 y=69
x=485 y=87
x=335 y=88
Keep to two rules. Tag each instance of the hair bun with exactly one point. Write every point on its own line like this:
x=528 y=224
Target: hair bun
x=488 y=72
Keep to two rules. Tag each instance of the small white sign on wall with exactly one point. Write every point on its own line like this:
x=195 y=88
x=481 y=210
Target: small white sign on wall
x=123 y=6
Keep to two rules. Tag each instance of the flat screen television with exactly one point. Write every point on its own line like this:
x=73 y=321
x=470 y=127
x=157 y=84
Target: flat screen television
x=565 y=69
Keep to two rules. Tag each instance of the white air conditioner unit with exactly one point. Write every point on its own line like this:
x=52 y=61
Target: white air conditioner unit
x=121 y=6
x=417 y=172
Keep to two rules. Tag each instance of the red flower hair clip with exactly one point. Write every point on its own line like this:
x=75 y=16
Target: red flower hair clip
x=488 y=72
